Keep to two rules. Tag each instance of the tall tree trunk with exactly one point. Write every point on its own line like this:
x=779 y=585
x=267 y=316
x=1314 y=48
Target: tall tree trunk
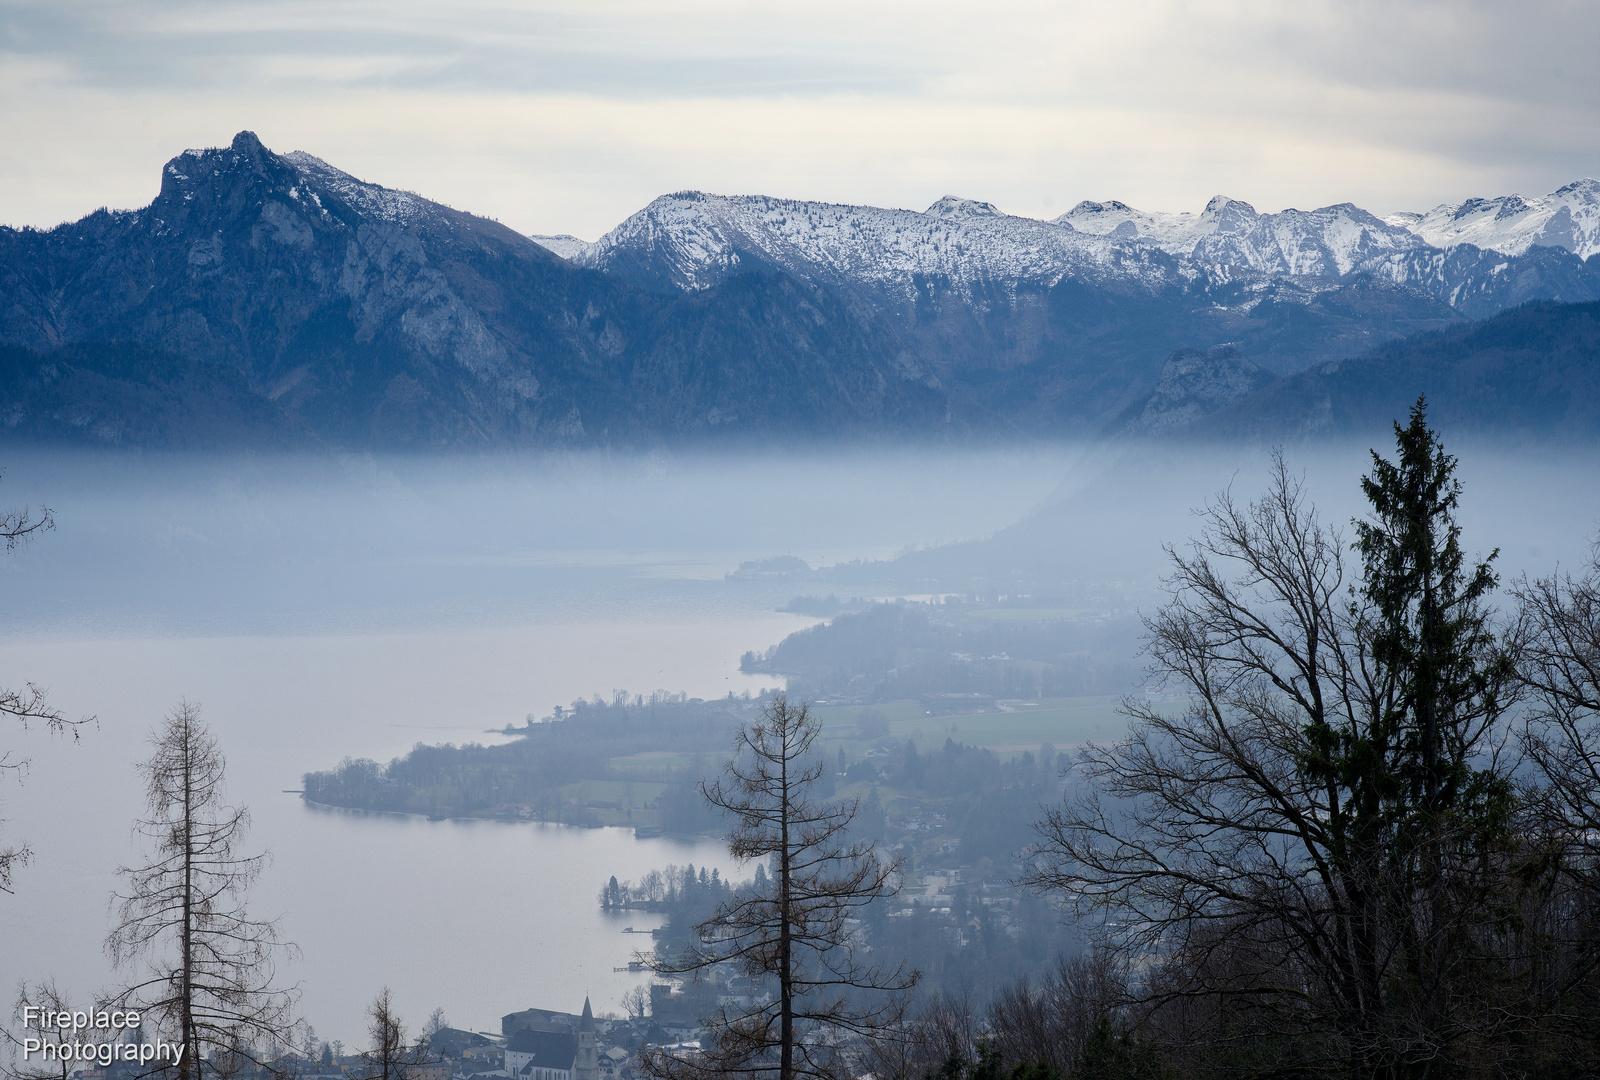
x=785 y=939
x=188 y=1064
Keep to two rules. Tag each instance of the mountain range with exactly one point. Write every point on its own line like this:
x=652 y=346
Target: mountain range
x=271 y=300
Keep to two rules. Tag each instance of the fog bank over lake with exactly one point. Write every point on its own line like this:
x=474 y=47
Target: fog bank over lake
x=324 y=609
x=334 y=607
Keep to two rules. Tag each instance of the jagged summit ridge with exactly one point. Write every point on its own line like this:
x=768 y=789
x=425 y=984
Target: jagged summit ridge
x=1229 y=234
x=696 y=240
x=284 y=293
x=1568 y=218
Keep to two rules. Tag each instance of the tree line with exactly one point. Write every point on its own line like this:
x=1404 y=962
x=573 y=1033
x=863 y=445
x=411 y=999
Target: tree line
x=895 y=650
x=1367 y=846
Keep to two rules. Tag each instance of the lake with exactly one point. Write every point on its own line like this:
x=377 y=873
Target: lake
x=360 y=609
x=351 y=606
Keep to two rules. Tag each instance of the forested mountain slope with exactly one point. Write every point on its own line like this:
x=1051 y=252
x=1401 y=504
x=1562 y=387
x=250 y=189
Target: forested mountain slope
x=270 y=299
x=369 y=317
x=1528 y=374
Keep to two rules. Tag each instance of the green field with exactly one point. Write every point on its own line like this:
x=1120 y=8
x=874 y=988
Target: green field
x=652 y=761
x=1061 y=722
x=1025 y=614
x=622 y=792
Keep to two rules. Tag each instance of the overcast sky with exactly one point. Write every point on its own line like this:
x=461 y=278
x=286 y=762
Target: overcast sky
x=567 y=116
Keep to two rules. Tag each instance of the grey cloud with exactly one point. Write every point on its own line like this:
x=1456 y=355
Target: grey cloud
x=278 y=47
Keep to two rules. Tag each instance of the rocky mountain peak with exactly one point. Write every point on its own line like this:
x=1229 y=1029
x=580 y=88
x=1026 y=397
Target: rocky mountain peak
x=953 y=206
x=1567 y=218
x=227 y=181
x=1229 y=214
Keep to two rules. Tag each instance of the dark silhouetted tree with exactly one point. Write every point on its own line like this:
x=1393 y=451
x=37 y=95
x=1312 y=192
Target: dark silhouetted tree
x=1320 y=849
x=205 y=967
x=793 y=929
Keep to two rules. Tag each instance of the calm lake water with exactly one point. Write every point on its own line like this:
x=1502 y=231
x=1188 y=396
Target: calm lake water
x=325 y=608
x=315 y=618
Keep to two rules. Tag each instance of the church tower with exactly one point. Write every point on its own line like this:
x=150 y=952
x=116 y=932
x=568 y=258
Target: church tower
x=586 y=1066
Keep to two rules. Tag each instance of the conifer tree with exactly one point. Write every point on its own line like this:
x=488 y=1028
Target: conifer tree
x=790 y=927
x=1317 y=855
x=205 y=968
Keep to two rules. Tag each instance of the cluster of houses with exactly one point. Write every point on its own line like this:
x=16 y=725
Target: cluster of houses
x=540 y=1044
x=535 y=1044
x=543 y=1044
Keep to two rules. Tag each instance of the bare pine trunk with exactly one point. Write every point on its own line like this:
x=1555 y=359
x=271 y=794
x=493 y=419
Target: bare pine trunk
x=786 y=935
x=793 y=931
x=213 y=990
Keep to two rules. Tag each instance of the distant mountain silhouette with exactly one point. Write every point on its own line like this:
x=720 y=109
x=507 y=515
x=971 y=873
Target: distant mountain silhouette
x=269 y=300
x=1532 y=373
x=293 y=299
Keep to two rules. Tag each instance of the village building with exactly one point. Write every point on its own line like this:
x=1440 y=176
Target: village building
x=544 y=1048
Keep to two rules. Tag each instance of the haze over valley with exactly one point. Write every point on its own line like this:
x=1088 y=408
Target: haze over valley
x=819 y=624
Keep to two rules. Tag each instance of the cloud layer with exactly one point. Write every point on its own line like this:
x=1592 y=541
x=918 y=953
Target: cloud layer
x=566 y=116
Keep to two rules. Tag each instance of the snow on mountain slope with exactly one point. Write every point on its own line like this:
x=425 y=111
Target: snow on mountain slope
x=692 y=241
x=1568 y=218
x=1173 y=233
x=1229 y=235
x=396 y=207
x=1330 y=242
x=562 y=244
x=695 y=240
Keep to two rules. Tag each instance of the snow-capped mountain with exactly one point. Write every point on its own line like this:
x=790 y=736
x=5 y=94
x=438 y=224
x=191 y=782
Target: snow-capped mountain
x=563 y=244
x=1229 y=235
x=692 y=240
x=1568 y=218
x=272 y=298
x=279 y=295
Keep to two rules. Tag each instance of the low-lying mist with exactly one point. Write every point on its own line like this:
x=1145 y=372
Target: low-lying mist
x=325 y=608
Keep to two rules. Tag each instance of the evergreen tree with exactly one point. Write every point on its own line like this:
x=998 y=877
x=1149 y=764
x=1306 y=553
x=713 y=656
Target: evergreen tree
x=1320 y=847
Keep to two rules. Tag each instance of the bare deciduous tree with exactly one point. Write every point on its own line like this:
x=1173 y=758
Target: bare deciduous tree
x=1036 y=1028
x=1324 y=840
x=28 y=705
x=795 y=930
x=1560 y=663
x=636 y=1003
x=206 y=968
x=389 y=1056
x=44 y=996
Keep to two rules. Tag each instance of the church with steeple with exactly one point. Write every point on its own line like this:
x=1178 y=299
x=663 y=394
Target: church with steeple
x=543 y=1047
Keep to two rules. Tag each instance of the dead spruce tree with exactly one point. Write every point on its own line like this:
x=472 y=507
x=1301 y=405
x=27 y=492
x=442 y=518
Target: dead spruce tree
x=389 y=1057
x=793 y=932
x=205 y=967
x=1318 y=858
